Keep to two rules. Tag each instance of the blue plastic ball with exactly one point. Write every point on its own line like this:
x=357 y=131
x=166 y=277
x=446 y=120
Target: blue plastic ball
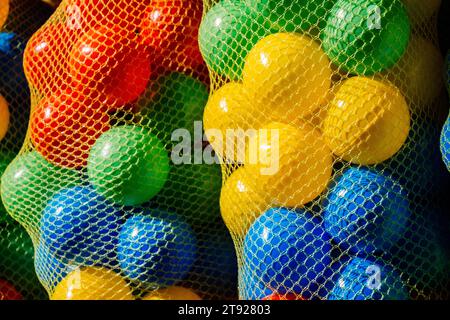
x=79 y=226
x=12 y=75
x=288 y=251
x=445 y=143
x=156 y=249
x=366 y=280
x=366 y=212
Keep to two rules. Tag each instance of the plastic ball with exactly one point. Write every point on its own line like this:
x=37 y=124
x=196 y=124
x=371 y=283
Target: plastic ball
x=289 y=251
x=227 y=33
x=128 y=165
x=287 y=296
x=230 y=108
x=16 y=264
x=172 y=293
x=4 y=11
x=156 y=249
x=78 y=225
x=171 y=28
x=420 y=11
x=29 y=183
x=294 y=161
x=366 y=280
x=366 y=211
x=287 y=74
x=243 y=198
x=445 y=143
x=293 y=16
x=109 y=62
x=64 y=129
x=177 y=101
x=422 y=67
x=92 y=283
x=364 y=37
x=45 y=58
x=367 y=122
x=193 y=190
x=5 y=159
x=13 y=84
x=7 y=290
x=4 y=117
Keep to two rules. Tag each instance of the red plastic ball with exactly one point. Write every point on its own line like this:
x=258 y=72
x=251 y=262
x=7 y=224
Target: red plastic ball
x=8 y=292
x=88 y=14
x=45 y=57
x=288 y=296
x=63 y=129
x=171 y=28
x=111 y=63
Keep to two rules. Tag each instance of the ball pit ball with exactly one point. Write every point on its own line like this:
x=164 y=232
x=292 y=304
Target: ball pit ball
x=80 y=226
x=420 y=11
x=367 y=122
x=293 y=15
x=289 y=251
x=92 y=283
x=227 y=33
x=288 y=296
x=7 y=290
x=422 y=66
x=287 y=74
x=194 y=189
x=366 y=211
x=5 y=159
x=172 y=27
x=13 y=83
x=156 y=249
x=445 y=143
x=4 y=11
x=63 y=129
x=364 y=37
x=128 y=165
x=110 y=62
x=45 y=58
x=88 y=14
x=176 y=101
x=172 y=293
x=243 y=198
x=230 y=107
x=4 y=117
x=294 y=161
x=30 y=182
x=366 y=280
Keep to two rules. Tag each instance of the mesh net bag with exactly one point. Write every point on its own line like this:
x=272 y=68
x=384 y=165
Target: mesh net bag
x=326 y=116
x=113 y=196
x=445 y=137
x=19 y=19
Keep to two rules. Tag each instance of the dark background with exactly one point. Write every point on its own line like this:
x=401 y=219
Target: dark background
x=444 y=26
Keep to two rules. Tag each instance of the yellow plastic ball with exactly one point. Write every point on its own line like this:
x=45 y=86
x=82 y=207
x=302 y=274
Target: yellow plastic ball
x=92 y=283
x=367 y=122
x=172 y=293
x=229 y=109
x=296 y=161
x=242 y=200
x=4 y=117
x=287 y=74
x=419 y=73
x=421 y=10
x=4 y=11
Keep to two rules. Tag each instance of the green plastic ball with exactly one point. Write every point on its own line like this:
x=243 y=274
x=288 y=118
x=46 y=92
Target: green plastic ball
x=364 y=37
x=293 y=15
x=17 y=261
x=193 y=190
x=227 y=33
x=177 y=101
x=5 y=160
x=29 y=183
x=128 y=165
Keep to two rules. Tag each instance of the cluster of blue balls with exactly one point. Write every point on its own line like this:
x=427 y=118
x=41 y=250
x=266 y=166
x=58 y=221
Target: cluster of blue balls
x=151 y=247
x=366 y=213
